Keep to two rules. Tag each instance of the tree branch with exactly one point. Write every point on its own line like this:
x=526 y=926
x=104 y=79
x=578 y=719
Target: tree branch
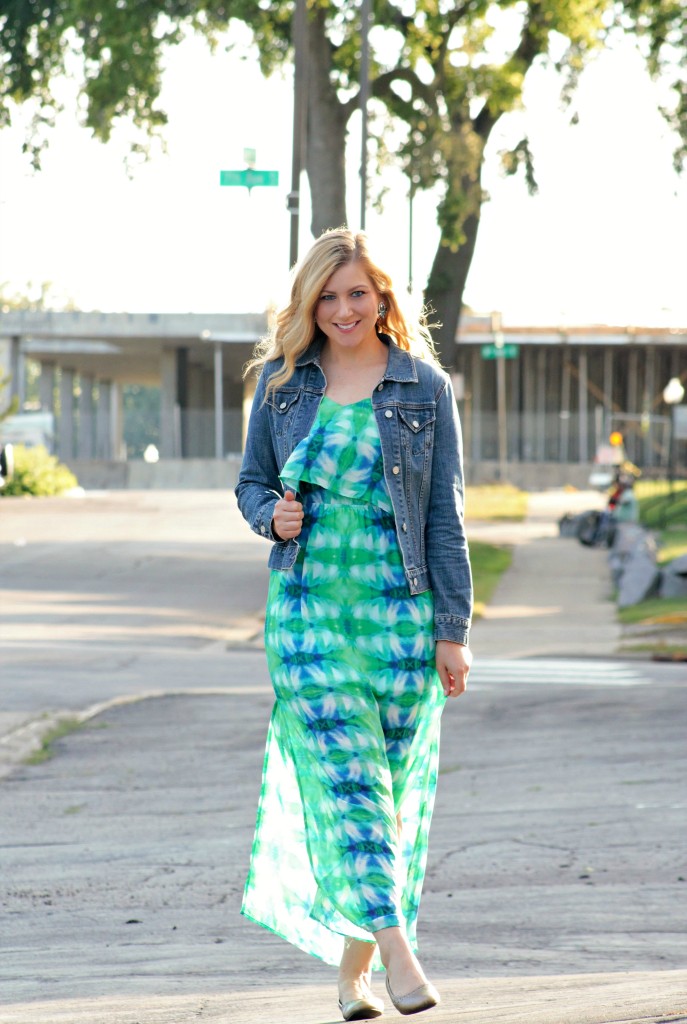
x=381 y=86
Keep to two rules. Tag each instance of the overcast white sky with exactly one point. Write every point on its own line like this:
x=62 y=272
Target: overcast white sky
x=604 y=241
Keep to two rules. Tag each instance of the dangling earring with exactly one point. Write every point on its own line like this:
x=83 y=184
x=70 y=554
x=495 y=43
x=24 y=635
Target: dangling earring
x=381 y=310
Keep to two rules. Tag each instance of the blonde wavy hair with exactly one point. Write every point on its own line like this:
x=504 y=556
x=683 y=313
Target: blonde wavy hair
x=295 y=328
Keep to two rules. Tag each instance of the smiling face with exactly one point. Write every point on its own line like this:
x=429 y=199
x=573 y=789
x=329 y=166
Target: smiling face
x=347 y=309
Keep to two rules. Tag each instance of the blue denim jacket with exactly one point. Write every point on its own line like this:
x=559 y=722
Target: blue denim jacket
x=422 y=453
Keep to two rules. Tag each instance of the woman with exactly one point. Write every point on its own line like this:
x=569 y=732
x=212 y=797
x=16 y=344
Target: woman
x=353 y=469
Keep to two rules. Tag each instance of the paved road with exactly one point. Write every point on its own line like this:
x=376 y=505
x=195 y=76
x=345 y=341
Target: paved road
x=556 y=862
x=556 y=849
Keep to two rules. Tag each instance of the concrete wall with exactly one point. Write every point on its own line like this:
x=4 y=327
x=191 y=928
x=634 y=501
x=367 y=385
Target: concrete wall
x=167 y=474
x=531 y=476
x=208 y=474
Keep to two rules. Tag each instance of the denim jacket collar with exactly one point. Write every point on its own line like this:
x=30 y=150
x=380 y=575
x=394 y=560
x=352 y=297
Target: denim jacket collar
x=400 y=367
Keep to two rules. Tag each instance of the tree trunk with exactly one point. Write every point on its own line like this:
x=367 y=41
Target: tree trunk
x=326 y=132
x=459 y=215
x=445 y=288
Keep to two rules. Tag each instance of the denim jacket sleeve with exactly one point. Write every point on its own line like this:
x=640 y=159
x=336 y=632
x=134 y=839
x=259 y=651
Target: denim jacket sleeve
x=447 y=550
x=258 y=488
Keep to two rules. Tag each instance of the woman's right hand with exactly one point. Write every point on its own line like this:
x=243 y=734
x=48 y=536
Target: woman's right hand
x=287 y=519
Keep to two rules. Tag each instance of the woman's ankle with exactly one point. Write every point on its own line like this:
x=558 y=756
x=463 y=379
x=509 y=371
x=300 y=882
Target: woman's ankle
x=356 y=960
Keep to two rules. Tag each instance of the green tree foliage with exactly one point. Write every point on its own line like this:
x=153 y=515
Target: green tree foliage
x=37 y=473
x=444 y=71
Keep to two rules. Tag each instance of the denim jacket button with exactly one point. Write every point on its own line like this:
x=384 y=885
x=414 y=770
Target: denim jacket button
x=380 y=387
x=388 y=414
x=283 y=405
x=416 y=424
x=404 y=528
x=395 y=470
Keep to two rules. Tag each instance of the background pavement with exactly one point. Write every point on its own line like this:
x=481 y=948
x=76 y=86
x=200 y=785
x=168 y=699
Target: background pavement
x=556 y=880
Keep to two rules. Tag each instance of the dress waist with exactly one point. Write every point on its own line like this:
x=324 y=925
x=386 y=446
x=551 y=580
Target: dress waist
x=319 y=502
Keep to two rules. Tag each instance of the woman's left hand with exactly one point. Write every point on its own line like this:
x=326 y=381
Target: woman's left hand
x=453 y=665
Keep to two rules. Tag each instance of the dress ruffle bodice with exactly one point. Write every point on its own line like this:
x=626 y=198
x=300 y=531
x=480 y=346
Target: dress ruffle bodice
x=342 y=454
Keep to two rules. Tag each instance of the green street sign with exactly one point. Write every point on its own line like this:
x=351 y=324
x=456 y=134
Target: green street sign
x=509 y=351
x=249 y=178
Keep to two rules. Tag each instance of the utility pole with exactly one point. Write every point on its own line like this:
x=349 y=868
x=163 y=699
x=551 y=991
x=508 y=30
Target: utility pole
x=411 y=197
x=365 y=19
x=300 y=113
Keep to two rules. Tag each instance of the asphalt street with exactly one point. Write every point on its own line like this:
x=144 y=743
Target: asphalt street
x=556 y=881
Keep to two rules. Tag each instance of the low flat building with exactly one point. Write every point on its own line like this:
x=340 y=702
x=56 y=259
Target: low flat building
x=536 y=403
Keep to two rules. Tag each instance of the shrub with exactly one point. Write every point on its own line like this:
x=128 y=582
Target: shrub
x=37 y=472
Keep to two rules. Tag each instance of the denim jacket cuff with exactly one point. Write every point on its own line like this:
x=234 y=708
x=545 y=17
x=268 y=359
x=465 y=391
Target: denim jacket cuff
x=451 y=627
x=262 y=524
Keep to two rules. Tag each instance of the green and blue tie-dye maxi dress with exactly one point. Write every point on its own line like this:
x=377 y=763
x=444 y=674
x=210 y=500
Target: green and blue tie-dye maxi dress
x=354 y=735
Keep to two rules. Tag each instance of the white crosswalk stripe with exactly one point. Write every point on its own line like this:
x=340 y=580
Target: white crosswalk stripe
x=555 y=672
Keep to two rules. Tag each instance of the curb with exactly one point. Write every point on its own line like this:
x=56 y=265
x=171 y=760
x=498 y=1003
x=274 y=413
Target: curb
x=21 y=743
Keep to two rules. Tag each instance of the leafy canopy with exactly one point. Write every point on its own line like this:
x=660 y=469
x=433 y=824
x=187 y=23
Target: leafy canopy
x=437 y=64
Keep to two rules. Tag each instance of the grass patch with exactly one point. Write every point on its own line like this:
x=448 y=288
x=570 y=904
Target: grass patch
x=662 y=507
x=657 y=611
x=46 y=751
x=495 y=501
x=489 y=562
x=672 y=544
x=677 y=651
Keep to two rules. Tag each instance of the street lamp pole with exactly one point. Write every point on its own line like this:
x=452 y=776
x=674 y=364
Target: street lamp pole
x=365 y=18
x=673 y=393
x=299 y=38
x=411 y=197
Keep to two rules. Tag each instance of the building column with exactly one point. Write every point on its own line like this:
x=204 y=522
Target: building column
x=608 y=383
x=117 y=422
x=103 y=429
x=564 y=450
x=169 y=410
x=529 y=440
x=182 y=402
x=647 y=404
x=583 y=406
x=46 y=387
x=218 y=367
x=65 y=444
x=632 y=404
x=86 y=445
x=541 y=406
x=515 y=421
x=17 y=374
x=477 y=412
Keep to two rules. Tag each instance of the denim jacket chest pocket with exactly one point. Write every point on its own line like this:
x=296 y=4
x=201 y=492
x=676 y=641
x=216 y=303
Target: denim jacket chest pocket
x=417 y=428
x=283 y=405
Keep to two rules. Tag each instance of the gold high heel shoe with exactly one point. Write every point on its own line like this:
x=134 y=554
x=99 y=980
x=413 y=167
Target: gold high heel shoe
x=366 y=1008
x=422 y=998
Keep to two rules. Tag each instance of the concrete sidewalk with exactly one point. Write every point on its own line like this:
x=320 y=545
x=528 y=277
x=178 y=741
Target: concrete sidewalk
x=556 y=598
x=555 y=883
